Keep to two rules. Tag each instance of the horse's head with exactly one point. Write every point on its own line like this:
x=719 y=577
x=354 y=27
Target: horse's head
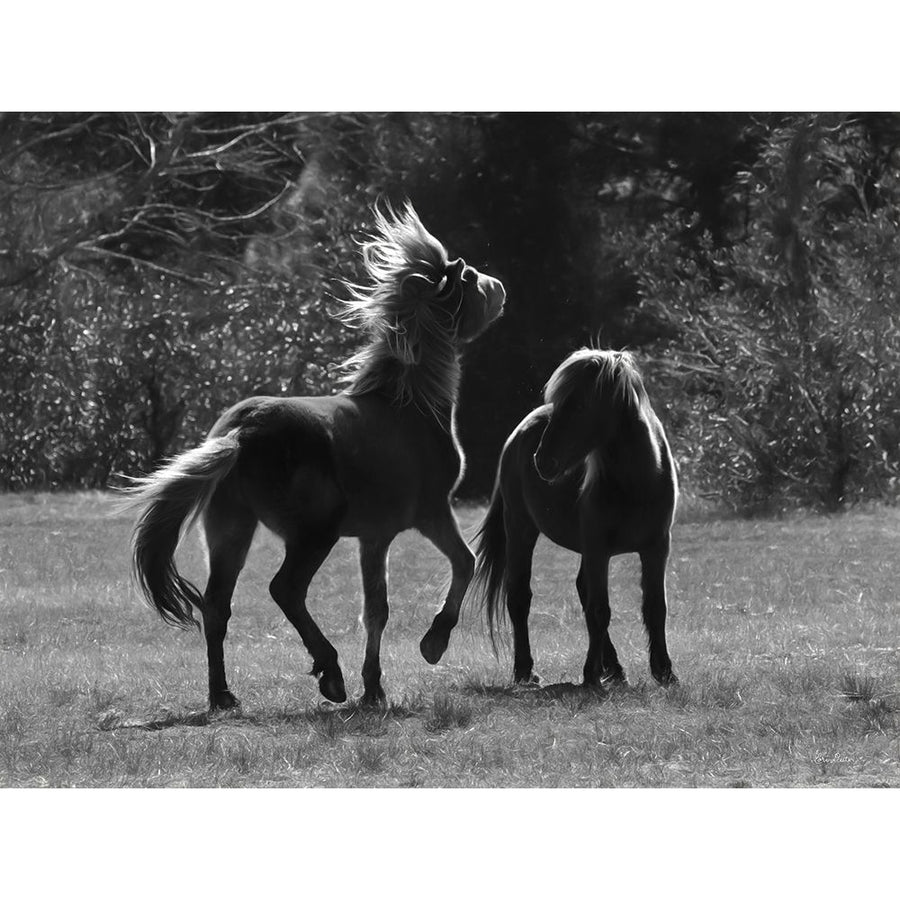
x=588 y=394
x=419 y=307
x=481 y=298
x=419 y=296
x=459 y=300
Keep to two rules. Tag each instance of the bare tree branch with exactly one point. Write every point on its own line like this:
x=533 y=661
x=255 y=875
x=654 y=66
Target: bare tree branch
x=157 y=179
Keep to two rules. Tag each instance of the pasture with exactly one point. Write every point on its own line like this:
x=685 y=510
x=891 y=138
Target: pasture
x=785 y=635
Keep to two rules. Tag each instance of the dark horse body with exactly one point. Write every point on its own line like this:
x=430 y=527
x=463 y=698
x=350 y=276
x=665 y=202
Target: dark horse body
x=369 y=463
x=592 y=470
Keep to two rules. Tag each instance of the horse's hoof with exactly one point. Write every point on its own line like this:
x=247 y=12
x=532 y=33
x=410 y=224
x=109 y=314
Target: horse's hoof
x=666 y=679
x=374 y=697
x=614 y=680
x=331 y=687
x=223 y=700
x=529 y=680
x=433 y=645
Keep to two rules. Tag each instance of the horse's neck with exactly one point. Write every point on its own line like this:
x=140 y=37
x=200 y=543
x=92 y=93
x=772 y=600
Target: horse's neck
x=430 y=386
x=630 y=455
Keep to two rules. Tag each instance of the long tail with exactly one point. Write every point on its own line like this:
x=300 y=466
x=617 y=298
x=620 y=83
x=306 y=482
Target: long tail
x=172 y=499
x=489 y=582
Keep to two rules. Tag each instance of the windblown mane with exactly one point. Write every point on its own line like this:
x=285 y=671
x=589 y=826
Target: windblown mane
x=589 y=369
x=413 y=356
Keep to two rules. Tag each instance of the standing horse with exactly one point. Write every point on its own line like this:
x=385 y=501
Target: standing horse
x=375 y=460
x=592 y=470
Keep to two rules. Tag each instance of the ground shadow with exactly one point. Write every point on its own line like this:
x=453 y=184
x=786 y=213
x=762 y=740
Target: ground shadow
x=112 y=720
x=347 y=717
x=437 y=713
x=534 y=692
x=484 y=689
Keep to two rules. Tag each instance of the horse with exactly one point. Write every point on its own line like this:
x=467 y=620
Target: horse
x=378 y=458
x=592 y=470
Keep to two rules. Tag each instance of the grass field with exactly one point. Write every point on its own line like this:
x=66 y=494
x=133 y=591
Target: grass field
x=785 y=635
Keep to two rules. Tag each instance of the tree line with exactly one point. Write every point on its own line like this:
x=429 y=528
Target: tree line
x=155 y=268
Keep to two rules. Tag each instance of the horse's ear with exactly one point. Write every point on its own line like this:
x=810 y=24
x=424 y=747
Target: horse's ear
x=452 y=278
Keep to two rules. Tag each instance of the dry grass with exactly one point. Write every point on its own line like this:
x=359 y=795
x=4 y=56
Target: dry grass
x=785 y=635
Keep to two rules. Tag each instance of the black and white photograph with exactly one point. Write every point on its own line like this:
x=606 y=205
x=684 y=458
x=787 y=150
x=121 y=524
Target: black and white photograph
x=448 y=450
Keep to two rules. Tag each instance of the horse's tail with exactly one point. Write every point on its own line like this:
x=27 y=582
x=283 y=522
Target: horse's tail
x=172 y=499
x=489 y=582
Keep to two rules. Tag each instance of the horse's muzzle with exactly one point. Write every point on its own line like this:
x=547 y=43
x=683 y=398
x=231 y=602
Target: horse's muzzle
x=494 y=294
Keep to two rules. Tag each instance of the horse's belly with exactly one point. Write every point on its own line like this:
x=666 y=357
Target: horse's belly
x=561 y=533
x=370 y=515
x=581 y=522
x=384 y=492
x=553 y=508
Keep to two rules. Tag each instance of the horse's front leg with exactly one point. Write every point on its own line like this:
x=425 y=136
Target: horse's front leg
x=444 y=533
x=373 y=563
x=611 y=668
x=595 y=601
x=653 y=588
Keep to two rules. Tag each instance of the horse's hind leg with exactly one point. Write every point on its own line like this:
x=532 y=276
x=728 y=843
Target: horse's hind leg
x=521 y=536
x=228 y=531
x=289 y=588
x=373 y=563
x=653 y=587
x=610 y=668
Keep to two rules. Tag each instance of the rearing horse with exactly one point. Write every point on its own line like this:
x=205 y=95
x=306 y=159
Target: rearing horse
x=592 y=470
x=375 y=460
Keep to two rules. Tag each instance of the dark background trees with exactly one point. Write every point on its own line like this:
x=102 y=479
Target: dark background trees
x=155 y=268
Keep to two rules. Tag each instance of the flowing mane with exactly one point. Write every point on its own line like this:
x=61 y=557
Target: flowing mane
x=614 y=367
x=410 y=310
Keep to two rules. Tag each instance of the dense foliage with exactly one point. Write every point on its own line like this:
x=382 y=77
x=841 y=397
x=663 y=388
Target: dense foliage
x=118 y=379
x=156 y=268
x=784 y=345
